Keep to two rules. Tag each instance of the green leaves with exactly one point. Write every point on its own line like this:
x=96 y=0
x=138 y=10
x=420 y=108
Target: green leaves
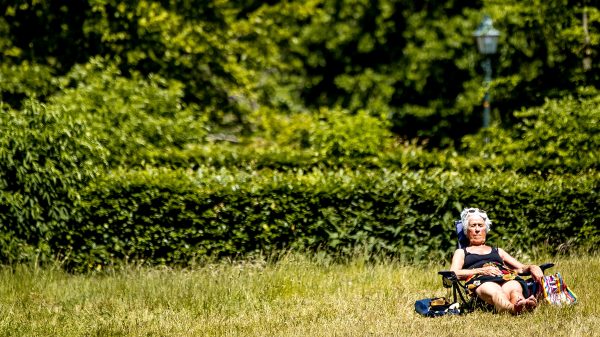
x=173 y=217
x=129 y=116
x=559 y=136
x=219 y=127
x=413 y=63
x=45 y=159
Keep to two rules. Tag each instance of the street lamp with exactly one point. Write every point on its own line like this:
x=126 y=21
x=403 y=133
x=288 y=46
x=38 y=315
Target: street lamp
x=487 y=43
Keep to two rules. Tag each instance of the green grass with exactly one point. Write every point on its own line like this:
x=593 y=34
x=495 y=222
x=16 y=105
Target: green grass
x=297 y=296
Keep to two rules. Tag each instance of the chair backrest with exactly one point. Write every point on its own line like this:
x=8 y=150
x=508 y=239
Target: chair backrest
x=463 y=241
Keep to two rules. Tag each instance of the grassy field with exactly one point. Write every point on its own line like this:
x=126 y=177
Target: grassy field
x=297 y=296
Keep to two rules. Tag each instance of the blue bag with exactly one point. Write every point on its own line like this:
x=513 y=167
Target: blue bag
x=437 y=306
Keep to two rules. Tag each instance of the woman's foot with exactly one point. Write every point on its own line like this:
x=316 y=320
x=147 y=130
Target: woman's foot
x=519 y=306
x=530 y=303
x=524 y=305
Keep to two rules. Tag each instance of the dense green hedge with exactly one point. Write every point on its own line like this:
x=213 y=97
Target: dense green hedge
x=162 y=216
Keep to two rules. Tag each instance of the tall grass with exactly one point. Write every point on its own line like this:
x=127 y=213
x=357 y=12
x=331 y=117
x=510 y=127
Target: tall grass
x=296 y=296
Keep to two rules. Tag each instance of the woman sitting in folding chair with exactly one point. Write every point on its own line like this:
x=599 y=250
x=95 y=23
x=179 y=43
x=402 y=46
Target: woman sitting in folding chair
x=490 y=272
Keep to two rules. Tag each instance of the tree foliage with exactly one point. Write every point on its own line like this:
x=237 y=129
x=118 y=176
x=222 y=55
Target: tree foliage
x=129 y=115
x=413 y=64
x=321 y=123
x=560 y=136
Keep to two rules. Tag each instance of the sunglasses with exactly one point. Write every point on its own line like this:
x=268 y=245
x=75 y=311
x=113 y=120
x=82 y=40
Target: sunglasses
x=474 y=210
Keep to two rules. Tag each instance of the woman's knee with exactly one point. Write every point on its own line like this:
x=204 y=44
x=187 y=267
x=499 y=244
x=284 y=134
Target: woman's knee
x=513 y=289
x=511 y=286
x=488 y=288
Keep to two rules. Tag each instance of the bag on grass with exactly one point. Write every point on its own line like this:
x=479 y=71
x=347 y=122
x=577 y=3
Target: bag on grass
x=437 y=306
x=556 y=291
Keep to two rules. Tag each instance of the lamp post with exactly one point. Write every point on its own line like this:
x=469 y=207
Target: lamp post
x=487 y=43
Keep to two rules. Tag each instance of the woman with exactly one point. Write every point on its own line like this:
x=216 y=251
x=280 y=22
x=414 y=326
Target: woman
x=491 y=272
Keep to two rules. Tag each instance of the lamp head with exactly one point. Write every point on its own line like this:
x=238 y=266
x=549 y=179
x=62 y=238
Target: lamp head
x=486 y=36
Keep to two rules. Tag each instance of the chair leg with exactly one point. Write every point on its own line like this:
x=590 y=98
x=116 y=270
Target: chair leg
x=459 y=296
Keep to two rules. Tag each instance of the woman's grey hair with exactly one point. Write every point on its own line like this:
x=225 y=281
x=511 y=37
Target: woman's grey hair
x=471 y=211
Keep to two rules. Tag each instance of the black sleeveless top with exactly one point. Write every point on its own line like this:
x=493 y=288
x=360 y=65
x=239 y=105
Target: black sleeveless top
x=473 y=261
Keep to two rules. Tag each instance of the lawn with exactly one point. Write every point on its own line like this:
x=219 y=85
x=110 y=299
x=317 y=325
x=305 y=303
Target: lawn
x=296 y=296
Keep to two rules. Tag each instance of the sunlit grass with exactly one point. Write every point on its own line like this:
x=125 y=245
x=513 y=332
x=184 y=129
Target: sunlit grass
x=297 y=296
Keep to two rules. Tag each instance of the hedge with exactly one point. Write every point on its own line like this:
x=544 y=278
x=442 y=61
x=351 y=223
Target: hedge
x=164 y=216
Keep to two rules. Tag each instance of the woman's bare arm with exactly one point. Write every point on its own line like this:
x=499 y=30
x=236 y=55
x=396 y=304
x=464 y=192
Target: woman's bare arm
x=519 y=267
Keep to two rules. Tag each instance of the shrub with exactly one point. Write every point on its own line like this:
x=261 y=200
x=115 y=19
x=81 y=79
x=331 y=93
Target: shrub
x=328 y=133
x=25 y=81
x=129 y=115
x=45 y=158
x=328 y=139
x=560 y=136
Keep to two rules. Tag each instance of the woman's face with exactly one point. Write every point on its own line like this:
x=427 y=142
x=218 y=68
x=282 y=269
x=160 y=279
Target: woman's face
x=476 y=230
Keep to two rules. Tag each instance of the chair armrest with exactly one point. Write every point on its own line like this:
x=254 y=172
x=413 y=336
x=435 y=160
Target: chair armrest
x=546 y=265
x=448 y=274
x=448 y=278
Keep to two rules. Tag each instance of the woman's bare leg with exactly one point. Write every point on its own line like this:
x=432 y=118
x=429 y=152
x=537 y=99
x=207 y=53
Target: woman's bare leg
x=514 y=291
x=515 y=294
x=493 y=294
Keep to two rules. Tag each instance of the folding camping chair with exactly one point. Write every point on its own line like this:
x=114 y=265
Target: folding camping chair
x=459 y=289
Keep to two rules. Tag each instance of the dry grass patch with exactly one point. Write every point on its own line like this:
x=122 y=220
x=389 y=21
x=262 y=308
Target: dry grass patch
x=296 y=296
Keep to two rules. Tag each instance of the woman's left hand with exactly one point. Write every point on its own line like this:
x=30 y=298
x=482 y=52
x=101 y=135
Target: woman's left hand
x=536 y=272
